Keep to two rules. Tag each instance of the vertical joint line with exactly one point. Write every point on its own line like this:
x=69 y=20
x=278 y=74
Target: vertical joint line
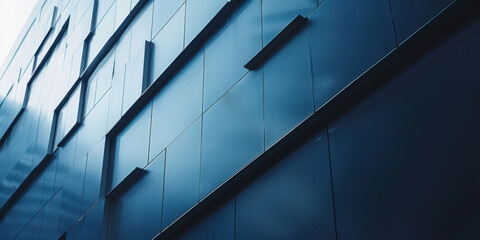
x=331 y=182
x=393 y=22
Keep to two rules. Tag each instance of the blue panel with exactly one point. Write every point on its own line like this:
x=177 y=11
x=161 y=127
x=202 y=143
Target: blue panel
x=137 y=213
x=277 y=14
x=93 y=222
x=230 y=48
x=131 y=147
x=90 y=93
x=182 y=173
x=199 y=13
x=123 y=9
x=103 y=7
x=93 y=129
x=76 y=232
x=409 y=15
x=141 y=27
x=217 y=225
x=93 y=174
x=66 y=158
x=48 y=177
x=163 y=10
x=411 y=168
x=292 y=200
x=127 y=220
x=177 y=105
x=288 y=88
x=168 y=43
x=116 y=96
x=232 y=132
x=102 y=33
x=68 y=115
x=105 y=73
x=133 y=78
x=346 y=38
x=76 y=63
x=72 y=195
x=152 y=196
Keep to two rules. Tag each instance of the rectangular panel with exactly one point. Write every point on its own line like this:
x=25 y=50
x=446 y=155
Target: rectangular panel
x=292 y=200
x=198 y=14
x=346 y=38
x=230 y=48
x=182 y=173
x=131 y=146
x=288 y=88
x=277 y=14
x=136 y=76
x=141 y=27
x=93 y=175
x=163 y=11
x=232 y=132
x=168 y=43
x=177 y=105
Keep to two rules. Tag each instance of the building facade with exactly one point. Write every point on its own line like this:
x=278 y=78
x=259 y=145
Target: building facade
x=242 y=119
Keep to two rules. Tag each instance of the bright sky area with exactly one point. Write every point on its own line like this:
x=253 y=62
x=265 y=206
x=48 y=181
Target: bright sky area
x=13 y=15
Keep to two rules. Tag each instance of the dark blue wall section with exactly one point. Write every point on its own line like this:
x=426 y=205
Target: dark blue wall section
x=405 y=160
x=293 y=200
x=288 y=88
x=346 y=38
x=217 y=225
x=409 y=15
x=137 y=212
x=137 y=119
x=232 y=132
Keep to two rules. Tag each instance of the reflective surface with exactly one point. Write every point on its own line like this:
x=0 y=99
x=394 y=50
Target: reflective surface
x=163 y=10
x=347 y=37
x=134 y=75
x=127 y=158
x=168 y=43
x=398 y=155
x=288 y=88
x=234 y=123
x=276 y=15
x=177 y=105
x=240 y=39
x=182 y=173
x=196 y=20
